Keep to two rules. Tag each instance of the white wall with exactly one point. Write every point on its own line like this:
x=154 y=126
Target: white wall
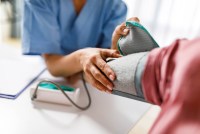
x=167 y=20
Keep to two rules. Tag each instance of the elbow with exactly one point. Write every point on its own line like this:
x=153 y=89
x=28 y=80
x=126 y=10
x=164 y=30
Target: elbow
x=51 y=63
x=56 y=70
x=53 y=72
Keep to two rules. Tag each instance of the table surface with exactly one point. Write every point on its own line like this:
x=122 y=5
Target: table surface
x=108 y=114
x=146 y=122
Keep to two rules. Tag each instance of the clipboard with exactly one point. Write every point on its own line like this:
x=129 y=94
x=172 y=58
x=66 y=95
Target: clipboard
x=17 y=71
x=15 y=95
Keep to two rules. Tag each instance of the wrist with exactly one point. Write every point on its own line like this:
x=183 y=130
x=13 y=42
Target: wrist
x=79 y=54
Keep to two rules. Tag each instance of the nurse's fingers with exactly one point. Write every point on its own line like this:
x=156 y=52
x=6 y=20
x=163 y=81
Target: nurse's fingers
x=121 y=30
x=106 y=53
x=101 y=77
x=136 y=19
x=103 y=66
x=96 y=83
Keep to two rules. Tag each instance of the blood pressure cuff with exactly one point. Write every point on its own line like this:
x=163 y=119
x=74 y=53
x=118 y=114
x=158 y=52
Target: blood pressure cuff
x=137 y=40
x=128 y=70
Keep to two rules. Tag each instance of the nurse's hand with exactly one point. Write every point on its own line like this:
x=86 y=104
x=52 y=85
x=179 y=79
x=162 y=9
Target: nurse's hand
x=121 y=30
x=95 y=69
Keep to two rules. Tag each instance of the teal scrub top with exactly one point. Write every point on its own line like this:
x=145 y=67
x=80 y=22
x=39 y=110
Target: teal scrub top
x=52 y=26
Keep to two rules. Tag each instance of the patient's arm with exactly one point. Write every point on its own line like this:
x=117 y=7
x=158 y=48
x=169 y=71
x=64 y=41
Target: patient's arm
x=128 y=70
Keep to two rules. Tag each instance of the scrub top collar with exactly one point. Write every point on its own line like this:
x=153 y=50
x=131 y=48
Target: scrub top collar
x=83 y=16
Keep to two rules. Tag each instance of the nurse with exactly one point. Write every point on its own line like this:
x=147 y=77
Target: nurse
x=74 y=36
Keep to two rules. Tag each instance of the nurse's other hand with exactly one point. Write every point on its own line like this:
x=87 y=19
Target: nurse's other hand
x=119 y=31
x=96 y=71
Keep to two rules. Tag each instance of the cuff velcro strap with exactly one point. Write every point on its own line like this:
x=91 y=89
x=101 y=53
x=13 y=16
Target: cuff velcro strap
x=137 y=40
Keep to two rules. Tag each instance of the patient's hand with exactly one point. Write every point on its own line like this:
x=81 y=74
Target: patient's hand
x=121 y=30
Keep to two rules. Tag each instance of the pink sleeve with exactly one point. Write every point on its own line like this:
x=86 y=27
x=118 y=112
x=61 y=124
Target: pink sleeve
x=153 y=73
x=171 y=79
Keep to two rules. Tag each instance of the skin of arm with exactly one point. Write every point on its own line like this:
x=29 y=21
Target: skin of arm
x=89 y=60
x=59 y=65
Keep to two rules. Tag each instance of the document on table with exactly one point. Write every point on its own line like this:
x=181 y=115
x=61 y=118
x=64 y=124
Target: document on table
x=17 y=73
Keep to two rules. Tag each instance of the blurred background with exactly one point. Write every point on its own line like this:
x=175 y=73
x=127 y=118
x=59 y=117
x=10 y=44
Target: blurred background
x=166 y=20
x=10 y=21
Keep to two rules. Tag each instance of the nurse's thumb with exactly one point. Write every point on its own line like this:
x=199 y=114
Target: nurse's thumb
x=136 y=19
x=106 y=53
